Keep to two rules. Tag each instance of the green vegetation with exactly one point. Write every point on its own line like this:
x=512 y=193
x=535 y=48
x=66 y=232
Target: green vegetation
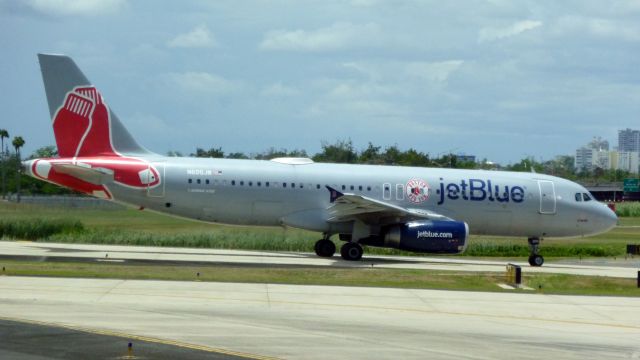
x=134 y=227
x=628 y=209
x=35 y=229
x=398 y=278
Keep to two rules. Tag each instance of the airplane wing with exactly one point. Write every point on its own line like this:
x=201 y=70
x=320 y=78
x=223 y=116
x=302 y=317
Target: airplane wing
x=345 y=207
x=96 y=176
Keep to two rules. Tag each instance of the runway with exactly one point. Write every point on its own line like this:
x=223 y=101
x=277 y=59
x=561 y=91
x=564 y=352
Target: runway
x=621 y=268
x=23 y=340
x=320 y=322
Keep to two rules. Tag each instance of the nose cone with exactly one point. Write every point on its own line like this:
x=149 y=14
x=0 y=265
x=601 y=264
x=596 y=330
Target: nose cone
x=606 y=219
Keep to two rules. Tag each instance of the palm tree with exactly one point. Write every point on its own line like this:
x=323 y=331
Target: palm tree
x=3 y=134
x=18 y=142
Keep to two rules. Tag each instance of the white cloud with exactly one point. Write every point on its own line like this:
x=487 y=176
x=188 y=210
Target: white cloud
x=279 y=90
x=433 y=71
x=488 y=34
x=599 y=27
x=76 y=7
x=203 y=82
x=335 y=37
x=196 y=38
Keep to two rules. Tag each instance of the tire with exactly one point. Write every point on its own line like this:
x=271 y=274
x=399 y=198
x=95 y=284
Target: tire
x=536 y=260
x=325 y=248
x=351 y=251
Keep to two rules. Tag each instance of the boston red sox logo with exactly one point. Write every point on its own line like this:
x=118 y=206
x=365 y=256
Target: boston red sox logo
x=417 y=190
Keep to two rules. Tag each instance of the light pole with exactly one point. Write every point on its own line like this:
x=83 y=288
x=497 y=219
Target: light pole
x=18 y=142
x=3 y=134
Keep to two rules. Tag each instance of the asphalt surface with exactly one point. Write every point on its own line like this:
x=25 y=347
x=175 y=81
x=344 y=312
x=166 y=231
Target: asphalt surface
x=622 y=268
x=31 y=341
x=322 y=322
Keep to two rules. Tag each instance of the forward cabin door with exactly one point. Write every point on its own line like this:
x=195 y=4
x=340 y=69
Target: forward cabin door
x=547 y=197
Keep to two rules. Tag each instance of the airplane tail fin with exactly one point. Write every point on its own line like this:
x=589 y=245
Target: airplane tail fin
x=83 y=124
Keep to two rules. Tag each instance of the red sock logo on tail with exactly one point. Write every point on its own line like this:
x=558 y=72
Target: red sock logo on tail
x=81 y=126
x=98 y=140
x=72 y=123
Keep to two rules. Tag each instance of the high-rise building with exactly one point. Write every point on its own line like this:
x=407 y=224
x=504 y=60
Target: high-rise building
x=629 y=140
x=627 y=161
x=584 y=159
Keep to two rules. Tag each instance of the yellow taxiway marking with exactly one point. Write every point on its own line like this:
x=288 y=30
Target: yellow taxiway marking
x=142 y=338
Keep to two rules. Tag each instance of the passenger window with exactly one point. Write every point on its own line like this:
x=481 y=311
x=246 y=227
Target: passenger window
x=198 y=181
x=190 y=181
x=368 y=188
x=351 y=187
x=233 y=182
x=386 y=194
x=318 y=186
x=284 y=185
x=399 y=192
x=250 y=183
x=586 y=197
x=259 y=183
x=578 y=197
x=293 y=185
x=301 y=186
x=241 y=183
x=266 y=184
x=344 y=187
x=360 y=188
x=206 y=181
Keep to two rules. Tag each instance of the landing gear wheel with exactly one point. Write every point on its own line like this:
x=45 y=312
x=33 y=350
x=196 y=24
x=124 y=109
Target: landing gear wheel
x=325 y=248
x=536 y=260
x=534 y=247
x=351 y=251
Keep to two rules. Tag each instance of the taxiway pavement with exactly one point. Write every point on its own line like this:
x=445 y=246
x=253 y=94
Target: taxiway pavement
x=321 y=322
x=623 y=268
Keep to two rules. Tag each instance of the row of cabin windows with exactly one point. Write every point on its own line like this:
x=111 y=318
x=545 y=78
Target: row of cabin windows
x=284 y=184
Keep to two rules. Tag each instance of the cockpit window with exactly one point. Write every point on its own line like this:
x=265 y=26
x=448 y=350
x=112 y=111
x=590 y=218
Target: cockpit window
x=586 y=197
x=578 y=197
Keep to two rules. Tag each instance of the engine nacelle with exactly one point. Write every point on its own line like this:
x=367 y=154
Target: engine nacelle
x=426 y=236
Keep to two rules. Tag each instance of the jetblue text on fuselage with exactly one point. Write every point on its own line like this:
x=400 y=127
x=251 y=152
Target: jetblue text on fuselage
x=479 y=190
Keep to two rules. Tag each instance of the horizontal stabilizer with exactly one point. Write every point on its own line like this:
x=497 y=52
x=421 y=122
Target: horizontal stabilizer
x=96 y=176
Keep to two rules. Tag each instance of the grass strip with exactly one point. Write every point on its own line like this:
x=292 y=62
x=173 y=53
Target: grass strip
x=370 y=277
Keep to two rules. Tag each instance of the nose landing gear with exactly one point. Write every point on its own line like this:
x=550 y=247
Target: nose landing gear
x=535 y=259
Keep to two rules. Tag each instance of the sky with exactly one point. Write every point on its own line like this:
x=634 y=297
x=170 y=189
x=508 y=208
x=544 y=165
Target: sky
x=502 y=80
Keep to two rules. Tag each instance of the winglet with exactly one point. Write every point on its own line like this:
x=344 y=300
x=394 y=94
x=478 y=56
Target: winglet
x=333 y=194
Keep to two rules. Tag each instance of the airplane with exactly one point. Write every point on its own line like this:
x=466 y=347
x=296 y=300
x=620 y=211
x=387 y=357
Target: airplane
x=425 y=210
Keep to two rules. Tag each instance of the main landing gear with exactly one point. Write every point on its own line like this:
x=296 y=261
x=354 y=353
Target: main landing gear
x=351 y=251
x=535 y=259
x=325 y=247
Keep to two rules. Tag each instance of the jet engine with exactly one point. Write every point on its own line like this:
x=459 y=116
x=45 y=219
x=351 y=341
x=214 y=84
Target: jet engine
x=426 y=236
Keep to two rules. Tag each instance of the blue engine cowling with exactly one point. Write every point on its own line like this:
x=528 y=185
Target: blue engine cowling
x=426 y=236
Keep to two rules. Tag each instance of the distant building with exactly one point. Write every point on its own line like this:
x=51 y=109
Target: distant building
x=598 y=144
x=466 y=158
x=626 y=160
x=629 y=140
x=584 y=159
